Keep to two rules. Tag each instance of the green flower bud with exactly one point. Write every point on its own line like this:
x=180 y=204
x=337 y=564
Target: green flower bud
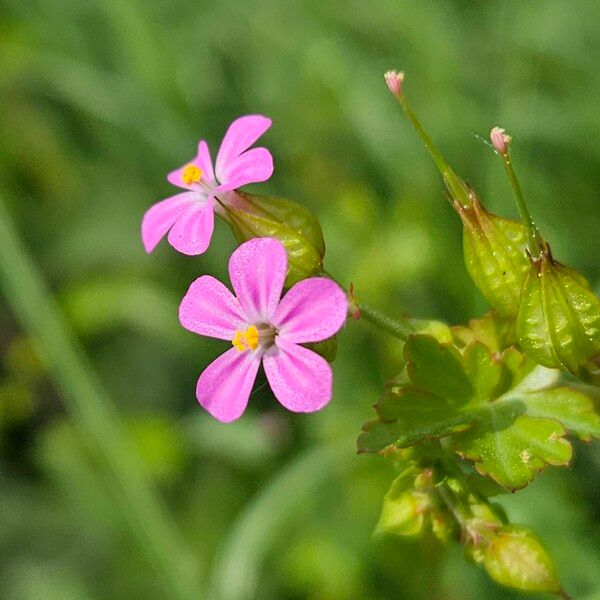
x=251 y=216
x=403 y=511
x=494 y=250
x=515 y=558
x=402 y=515
x=558 y=324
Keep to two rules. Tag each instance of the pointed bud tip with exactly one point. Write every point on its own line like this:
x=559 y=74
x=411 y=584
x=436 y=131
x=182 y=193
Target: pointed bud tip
x=393 y=80
x=500 y=140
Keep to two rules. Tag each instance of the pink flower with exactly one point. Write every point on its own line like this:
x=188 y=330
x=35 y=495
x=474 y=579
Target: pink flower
x=264 y=328
x=188 y=217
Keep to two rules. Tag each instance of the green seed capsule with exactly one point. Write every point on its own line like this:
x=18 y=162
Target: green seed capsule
x=558 y=324
x=515 y=558
x=494 y=250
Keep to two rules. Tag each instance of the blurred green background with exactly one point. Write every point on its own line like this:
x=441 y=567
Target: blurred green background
x=98 y=100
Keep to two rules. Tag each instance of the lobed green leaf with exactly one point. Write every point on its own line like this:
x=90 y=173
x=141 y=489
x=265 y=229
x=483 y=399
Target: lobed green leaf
x=501 y=411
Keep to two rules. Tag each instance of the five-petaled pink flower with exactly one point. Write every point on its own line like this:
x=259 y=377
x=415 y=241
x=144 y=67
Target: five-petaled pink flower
x=263 y=327
x=188 y=217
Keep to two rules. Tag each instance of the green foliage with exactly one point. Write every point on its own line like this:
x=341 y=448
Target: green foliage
x=559 y=319
x=500 y=411
x=292 y=224
x=440 y=499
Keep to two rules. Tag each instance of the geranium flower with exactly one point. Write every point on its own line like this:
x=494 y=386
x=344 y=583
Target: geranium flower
x=188 y=217
x=264 y=328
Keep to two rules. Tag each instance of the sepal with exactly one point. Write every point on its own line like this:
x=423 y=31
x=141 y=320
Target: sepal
x=251 y=216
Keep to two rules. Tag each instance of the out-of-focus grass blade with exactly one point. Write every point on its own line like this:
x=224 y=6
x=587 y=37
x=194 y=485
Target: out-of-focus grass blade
x=237 y=567
x=93 y=413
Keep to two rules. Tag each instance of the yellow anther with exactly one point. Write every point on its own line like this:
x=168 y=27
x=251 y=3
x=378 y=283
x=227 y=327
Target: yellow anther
x=246 y=340
x=191 y=174
x=238 y=341
x=252 y=337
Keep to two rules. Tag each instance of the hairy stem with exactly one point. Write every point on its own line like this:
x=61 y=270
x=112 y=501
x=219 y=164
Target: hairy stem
x=400 y=328
x=534 y=239
x=94 y=415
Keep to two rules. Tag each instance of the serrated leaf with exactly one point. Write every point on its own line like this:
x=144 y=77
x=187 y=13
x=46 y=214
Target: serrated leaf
x=559 y=318
x=515 y=558
x=500 y=411
x=378 y=435
x=437 y=368
x=494 y=330
x=572 y=408
x=251 y=216
x=422 y=415
x=512 y=449
x=494 y=251
x=484 y=371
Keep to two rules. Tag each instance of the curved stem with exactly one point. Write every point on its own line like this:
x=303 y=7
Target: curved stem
x=94 y=414
x=400 y=328
x=534 y=239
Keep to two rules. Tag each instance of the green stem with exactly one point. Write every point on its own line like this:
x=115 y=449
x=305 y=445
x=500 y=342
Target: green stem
x=95 y=416
x=457 y=188
x=455 y=508
x=400 y=328
x=534 y=239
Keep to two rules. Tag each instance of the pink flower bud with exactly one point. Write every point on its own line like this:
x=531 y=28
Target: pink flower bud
x=500 y=140
x=393 y=80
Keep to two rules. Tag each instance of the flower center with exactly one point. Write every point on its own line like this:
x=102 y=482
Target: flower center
x=191 y=174
x=262 y=335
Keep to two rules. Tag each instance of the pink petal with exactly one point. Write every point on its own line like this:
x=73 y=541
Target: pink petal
x=257 y=270
x=160 y=218
x=209 y=308
x=225 y=385
x=300 y=379
x=242 y=133
x=250 y=167
x=202 y=161
x=192 y=232
x=313 y=310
